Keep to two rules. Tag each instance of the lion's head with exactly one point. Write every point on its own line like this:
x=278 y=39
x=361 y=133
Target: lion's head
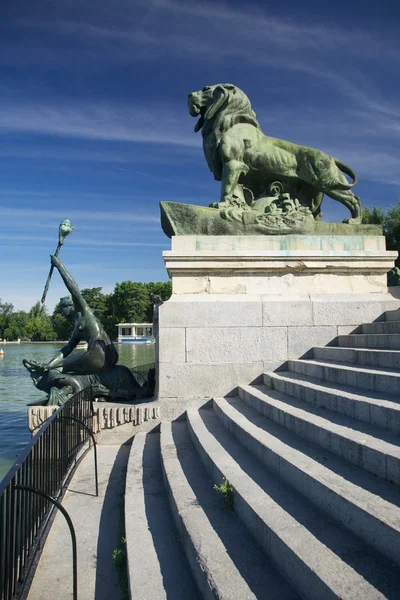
x=224 y=103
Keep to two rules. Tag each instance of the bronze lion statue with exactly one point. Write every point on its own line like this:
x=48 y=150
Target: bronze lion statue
x=243 y=158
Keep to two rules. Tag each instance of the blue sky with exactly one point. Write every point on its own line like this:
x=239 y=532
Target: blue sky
x=94 y=123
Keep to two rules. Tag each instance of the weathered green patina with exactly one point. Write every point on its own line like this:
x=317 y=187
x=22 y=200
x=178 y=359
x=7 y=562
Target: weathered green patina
x=186 y=219
x=268 y=186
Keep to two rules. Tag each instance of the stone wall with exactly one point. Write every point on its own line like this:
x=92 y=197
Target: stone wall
x=106 y=415
x=208 y=345
x=241 y=305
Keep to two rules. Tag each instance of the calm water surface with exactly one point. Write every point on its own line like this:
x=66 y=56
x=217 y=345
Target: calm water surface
x=17 y=390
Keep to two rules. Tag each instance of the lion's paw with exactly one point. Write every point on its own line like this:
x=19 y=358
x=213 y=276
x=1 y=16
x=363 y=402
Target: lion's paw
x=224 y=204
x=352 y=221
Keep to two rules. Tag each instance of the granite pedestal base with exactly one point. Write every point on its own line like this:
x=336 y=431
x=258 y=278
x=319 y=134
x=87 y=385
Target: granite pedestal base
x=244 y=304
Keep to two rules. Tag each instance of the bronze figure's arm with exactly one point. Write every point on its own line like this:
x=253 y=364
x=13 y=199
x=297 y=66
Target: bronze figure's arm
x=70 y=283
x=65 y=351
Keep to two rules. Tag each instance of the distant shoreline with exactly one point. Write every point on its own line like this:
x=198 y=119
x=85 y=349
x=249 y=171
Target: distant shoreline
x=32 y=342
x=14 y=342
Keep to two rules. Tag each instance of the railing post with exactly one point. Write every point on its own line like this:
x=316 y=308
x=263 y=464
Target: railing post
x=96 y=478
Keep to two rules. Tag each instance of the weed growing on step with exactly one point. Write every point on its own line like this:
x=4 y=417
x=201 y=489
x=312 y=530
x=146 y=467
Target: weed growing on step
x=227 y=493
x=119 y=557
x=120 y=563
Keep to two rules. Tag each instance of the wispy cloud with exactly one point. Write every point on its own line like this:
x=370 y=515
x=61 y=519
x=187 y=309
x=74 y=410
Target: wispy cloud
x=145 y=24
x=122 y=244
x=127 y=32
x=335 y=56
x=131 y=156
x=92 y=121
x=80 y=242
x=5 y=211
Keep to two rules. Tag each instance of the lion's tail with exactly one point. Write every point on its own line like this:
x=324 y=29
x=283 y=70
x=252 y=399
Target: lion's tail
x=345 y=169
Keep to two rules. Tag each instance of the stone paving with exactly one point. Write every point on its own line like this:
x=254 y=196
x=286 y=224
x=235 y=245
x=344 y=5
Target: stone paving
x=97 y=530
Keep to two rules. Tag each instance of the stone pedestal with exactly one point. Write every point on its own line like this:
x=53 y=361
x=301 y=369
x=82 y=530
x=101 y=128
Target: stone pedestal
x=241 y=304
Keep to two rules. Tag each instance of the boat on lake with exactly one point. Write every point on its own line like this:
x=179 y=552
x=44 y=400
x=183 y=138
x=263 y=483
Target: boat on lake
x=137 y=333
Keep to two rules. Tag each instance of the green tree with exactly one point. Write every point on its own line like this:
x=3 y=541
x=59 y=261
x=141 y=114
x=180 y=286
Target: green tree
x=163 y=289
x=96 y=300
x=160 y=288
x=391 y=227
x=39 y=327
x=130 y=302
x=62 y=326
x=373 y=215
x=40 y=330
x=390 y=222
x=38 y=311
x=17 y=326
x=6 y=309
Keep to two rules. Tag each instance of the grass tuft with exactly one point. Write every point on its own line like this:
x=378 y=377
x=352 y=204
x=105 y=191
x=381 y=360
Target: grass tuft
x=227 y=493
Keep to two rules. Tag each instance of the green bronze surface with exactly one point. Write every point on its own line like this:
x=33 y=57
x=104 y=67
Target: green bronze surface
x=268 y=186
x=187 y=219
x=67 y=373
x=64 y=230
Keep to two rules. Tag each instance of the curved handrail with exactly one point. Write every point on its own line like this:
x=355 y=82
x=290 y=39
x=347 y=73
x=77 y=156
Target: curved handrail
x=42 y=469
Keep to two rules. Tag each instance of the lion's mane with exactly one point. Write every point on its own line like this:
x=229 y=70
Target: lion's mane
x=235 y=107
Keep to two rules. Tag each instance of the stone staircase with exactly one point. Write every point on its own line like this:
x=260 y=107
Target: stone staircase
x=314 y=460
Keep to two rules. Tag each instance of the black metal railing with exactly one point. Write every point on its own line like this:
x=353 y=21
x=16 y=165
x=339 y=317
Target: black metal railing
x=35 y=484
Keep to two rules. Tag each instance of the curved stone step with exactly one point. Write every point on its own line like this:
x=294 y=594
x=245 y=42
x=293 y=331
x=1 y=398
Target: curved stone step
x=392 y=315
x=378 y=409
x=369 y=357
x=156 y=561
x=364 y=504
x=385 y=341
x=381 y=327
x=226 y=562
x=361 y=444
x=375 y=380
x=320 y=558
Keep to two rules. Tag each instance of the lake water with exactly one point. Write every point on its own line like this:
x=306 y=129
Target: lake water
x=17 y=390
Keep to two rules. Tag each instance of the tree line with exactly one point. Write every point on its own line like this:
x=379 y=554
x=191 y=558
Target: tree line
x=390 y=221
x=130 y=302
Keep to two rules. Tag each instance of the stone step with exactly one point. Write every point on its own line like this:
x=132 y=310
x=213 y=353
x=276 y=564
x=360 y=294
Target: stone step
x=155 y=557
x=374 y=380
x=381 y=327
x=361 y=444
x=226 y=562
x=386 y=341
x=367 y=506
x=389 y=359
x=392 y=315
x=381 y=410
x=320 y=558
